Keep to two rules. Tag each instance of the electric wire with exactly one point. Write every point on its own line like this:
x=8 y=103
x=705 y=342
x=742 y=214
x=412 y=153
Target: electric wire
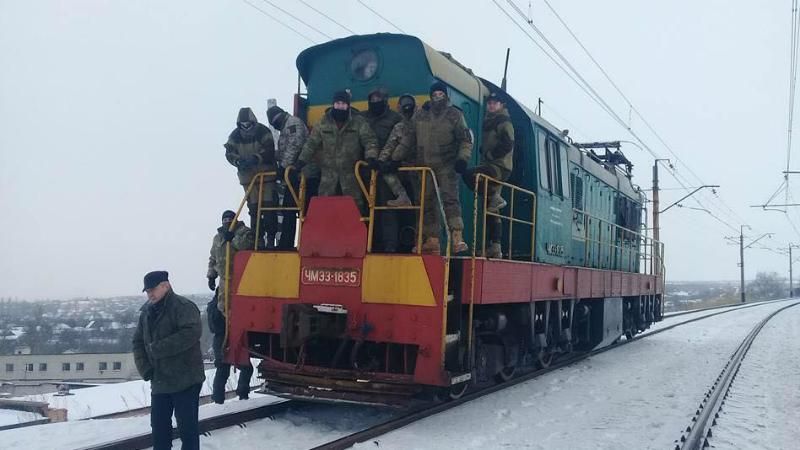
x=280 y=22
x=632 y=107
x=297 y=19
x=376 y=13
x=327 y=17
x=586 y=87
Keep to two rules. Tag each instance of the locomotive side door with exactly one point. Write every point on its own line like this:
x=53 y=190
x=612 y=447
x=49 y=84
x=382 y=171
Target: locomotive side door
x=554 y=212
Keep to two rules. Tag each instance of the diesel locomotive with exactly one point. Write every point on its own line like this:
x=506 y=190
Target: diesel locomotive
x=334 y=320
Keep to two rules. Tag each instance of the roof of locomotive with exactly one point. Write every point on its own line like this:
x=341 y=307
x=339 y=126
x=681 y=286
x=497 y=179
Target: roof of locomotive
x=441 y=65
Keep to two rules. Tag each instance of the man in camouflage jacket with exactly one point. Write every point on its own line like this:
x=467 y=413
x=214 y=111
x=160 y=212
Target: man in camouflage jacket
x=497 y=161
x=442 y=141
x=382 y=120
x=336 y=143
x=293 y=135
x=251 y=149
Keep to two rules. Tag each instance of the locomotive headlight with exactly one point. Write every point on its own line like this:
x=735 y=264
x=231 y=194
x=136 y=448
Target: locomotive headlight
x=364 y=64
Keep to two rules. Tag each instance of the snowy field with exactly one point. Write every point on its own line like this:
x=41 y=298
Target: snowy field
x=637 y=396
x=763 y=409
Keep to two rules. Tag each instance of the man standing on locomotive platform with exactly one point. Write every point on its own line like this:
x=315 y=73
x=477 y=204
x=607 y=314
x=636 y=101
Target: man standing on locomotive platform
x=442 y=142
x=166 y=350
x=251 y=149
x=390 y=159
x=293 y=135
x=337 y=142
x=497 y=145
x=241 y=238
x=382 y=120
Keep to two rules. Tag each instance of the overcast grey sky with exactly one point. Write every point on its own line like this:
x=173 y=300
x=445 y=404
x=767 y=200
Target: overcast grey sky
x=113 y=115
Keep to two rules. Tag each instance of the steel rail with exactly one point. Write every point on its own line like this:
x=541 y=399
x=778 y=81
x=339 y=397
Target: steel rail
x=424 y=412
x=145 y=440
x=697 y=433
x=729 y=305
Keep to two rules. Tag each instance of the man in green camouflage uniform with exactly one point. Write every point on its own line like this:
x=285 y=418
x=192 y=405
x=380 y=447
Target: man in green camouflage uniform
x=443 y=142
x=241 y=238
x=497 y=145
x=336 y=143
x=251 y=149
x=293 y=135
x=390 y=159
x=382 y=120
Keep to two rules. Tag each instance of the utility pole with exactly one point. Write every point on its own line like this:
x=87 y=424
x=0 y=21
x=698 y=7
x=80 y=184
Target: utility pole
x=656 y=227
x=741 y=261
x=791 y=291
x=791 y=266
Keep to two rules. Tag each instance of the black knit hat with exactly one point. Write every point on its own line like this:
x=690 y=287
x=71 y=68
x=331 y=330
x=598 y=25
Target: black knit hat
x=228 y=214
x=341 y=96
x=155 y=278
x=273 y=111
x=438 y=86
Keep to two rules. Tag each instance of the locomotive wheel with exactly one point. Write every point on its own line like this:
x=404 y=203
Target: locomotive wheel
x=545 y=359
x=506 y=374
x=458 y=390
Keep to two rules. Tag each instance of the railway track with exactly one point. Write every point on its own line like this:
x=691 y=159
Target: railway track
x=421 y=413
x=144 y=440
x=697 y=434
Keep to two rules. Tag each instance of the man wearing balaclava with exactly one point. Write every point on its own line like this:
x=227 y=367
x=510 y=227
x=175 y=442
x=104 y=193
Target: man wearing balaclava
x=251 y=149
x=336 y=143
x=390 y=158
x=382 y=120
x=443 y=142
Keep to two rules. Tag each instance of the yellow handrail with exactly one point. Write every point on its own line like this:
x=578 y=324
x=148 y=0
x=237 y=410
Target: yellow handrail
x=481 y=178
x=370 y=194
x=299 y=201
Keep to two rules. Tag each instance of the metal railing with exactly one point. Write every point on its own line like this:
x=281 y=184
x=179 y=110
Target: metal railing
x=481 y=189
x=624 y=248
x=370 y=193
x=299 y=201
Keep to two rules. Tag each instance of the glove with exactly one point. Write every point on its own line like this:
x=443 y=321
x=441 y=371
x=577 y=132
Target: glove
x=212 y=283
x=460 y=166
x=373 y=164
x=469 y=178
x=227 y=236
x=148 y=375
x=299 y=164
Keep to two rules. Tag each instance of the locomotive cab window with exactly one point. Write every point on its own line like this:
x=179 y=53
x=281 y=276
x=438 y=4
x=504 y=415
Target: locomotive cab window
x=552 y=165
x=364 y=65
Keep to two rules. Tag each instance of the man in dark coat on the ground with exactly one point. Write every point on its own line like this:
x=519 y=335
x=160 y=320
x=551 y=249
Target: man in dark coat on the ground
x=166 y=349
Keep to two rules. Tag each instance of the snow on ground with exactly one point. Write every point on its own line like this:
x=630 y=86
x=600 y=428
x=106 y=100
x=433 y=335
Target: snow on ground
x=639 y=396
x=671 y=319
x=118 y=397
x=13 y=417
x=763 y=408
x=78 y=434
x=302 y=428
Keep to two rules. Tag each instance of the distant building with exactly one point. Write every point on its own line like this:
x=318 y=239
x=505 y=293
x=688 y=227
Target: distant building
x=86 y=367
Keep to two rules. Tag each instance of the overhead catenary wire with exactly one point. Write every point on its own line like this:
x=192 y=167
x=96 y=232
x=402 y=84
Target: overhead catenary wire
x=377 y=14
x=280 y=22
x=635 y=110
x=297 y=19
x=592 y=93
x=327 y=17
